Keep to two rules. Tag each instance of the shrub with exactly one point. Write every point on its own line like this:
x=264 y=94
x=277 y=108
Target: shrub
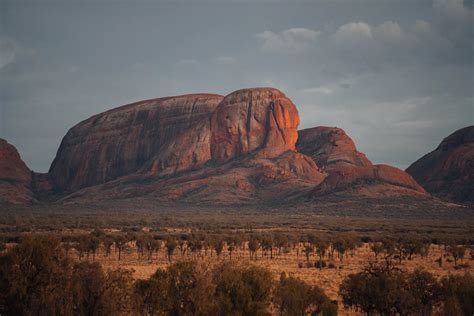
x=37 y=278
x=388 y=290
x=242 y=290
x=320 y=264
x=294 y=297
x=181 y=289
x=458 y=294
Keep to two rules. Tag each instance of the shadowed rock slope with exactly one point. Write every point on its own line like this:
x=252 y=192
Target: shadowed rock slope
x=448 y=171
x=15 y=177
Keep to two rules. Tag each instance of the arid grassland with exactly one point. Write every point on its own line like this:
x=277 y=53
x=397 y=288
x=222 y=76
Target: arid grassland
x=322 y=251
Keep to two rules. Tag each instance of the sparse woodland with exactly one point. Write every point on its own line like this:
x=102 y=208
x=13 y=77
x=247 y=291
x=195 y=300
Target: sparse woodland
x=229 y=274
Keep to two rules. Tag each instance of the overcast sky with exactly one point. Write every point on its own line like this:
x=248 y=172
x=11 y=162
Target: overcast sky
x=398 y=76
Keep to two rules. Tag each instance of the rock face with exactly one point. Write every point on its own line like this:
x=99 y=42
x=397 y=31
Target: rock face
x=448 y=171
x=228 y=150
x=330 y=147
x=349 y=171
x=252 y=120
x=15 y=177
x=205 y=148
x=162 y=135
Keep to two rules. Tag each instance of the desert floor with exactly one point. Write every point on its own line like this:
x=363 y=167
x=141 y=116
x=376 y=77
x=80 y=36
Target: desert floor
x=327 y=278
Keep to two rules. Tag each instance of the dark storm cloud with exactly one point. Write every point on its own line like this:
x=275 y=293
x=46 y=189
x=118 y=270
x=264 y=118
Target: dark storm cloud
x=398 y=76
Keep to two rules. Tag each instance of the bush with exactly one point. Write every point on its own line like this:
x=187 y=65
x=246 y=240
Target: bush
x=387 y=290
x=294 y=297
x=181 y=289
x=95 y=292
x=242 y=290
x=33 y=276
x=320 y=264
x=37 y=278
x=185 y=288
x=458 y=294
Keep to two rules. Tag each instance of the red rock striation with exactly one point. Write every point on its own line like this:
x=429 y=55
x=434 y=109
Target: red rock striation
x=15 y=177
x=248 y=121
x=163 y=135
x=448 y=171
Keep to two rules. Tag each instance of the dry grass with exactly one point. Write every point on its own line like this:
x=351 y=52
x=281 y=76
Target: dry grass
x=328 y=279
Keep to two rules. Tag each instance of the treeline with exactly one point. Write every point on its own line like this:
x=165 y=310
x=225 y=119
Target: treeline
x=160 y=218
x=314 y=250
x=38 y=278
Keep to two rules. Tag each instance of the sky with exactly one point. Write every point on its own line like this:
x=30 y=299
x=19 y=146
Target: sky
x=397 y=76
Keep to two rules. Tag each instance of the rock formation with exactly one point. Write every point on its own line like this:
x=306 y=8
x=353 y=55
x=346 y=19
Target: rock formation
x=448 y=171
x=330 y=147
x=15 y=177
x=206 y=148
x=166 y=135
x=348 y=170
x=251 y=120
x=244 y=151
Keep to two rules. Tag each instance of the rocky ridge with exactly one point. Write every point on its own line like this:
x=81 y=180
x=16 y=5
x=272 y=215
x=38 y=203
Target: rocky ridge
x=243 y=148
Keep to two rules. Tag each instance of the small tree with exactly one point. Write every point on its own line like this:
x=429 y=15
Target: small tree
x=218 y=245
x=281 y=242
x=254 y=245
x=152 y=246
x=93 y=244
x=412 y=247
x=340 y=247
x=457 y=252
x=377 y=248
x=170 y=245
x=107 y=241
x=120 y=244
x=267 y=245
x=308 y=250
x=321 y=248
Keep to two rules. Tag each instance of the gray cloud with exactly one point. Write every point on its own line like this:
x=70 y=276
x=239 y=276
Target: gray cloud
x=293 y=40
x=225 y=60
x=8 y=51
